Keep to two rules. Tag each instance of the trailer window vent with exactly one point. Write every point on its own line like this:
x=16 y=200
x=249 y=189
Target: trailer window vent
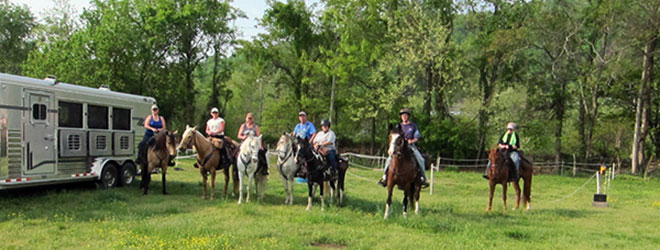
x=123 y=143
x=73 y=142
x=101 y=142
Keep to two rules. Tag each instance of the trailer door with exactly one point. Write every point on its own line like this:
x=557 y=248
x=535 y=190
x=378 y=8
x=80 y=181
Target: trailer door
x=39 y=133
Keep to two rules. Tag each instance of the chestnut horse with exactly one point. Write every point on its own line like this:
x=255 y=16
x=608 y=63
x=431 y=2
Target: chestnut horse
x=499 y=174
x=402 y=171
x=208 y=159
x=157 y=156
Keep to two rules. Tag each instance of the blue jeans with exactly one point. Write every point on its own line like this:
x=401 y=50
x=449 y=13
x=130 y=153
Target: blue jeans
x=332 y=157
x=418 y=157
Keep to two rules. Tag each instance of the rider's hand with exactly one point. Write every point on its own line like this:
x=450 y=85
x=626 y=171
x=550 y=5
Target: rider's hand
x=514 y=147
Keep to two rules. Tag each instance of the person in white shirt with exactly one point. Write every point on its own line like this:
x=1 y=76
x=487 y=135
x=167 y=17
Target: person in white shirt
x=326 y=139
x=215 y=127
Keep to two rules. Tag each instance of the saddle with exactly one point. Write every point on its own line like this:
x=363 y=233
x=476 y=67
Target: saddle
x=217 y=143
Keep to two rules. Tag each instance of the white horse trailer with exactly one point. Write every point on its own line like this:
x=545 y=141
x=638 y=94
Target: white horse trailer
x=54 y=132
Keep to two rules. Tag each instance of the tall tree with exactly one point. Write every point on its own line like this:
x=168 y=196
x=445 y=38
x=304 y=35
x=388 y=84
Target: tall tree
x=16 y=24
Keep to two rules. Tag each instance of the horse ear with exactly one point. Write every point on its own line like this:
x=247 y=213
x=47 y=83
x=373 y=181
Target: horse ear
x=390 y=126
x=187 y=127
x=194 y=128
x=176 y=132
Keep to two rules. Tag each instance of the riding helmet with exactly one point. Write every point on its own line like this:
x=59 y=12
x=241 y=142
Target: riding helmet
x=325 y=122
x=405 y=111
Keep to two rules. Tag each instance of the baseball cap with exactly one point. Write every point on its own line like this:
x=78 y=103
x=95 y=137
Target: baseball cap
x=154 y=107
x=215 y=110
x=302 y=113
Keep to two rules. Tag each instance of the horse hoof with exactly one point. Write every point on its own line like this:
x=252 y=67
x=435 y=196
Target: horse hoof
x=514 y=209
x=165 y=193
x=308 y=208
x=405 y=215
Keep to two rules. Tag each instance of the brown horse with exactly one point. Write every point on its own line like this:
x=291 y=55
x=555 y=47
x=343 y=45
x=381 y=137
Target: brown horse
x=499 y=174
x=402 y=172
x=158 y=155
x=208 y=158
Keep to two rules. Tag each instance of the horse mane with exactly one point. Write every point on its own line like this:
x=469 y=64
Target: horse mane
x=160 y=140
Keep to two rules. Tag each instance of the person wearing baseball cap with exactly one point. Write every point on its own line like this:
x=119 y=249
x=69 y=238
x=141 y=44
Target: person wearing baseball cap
x=411 y=132
x=509 y=140
x=215 y=127
x=305 y=129
x=153 y=123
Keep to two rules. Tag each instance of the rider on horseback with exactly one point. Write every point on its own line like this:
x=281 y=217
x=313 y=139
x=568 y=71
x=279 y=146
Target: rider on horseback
x=215 y=127
x=153 y=124
x=510 y=142
x=411 y=133
x=305 y=129
x=324 y=141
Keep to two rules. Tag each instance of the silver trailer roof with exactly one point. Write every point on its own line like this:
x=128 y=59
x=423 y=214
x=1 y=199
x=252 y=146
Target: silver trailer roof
x=72 y=89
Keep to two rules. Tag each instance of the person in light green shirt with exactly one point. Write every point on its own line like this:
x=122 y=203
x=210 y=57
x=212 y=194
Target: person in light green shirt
x=509 y=140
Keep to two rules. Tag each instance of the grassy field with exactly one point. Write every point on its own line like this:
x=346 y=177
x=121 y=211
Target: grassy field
x=74 y=217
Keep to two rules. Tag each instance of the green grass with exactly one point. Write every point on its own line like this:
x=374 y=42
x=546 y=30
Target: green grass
x=452 y=218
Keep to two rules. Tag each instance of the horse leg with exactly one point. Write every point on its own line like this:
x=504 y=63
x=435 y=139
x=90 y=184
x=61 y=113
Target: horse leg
x=240 y=187
x=291 y=184
x=490 y=198
x=310 y=193
x=504 y=195
x=333 y=189
x=321 y=189
x=516 y=186
x=249 y=183
x=235 y=179
x=405 y=202
x=164 y=178
x=213 y=175
x=416 y=199
x=204 y=179
x=224 y=191
x=286 y=189
x=389 y=200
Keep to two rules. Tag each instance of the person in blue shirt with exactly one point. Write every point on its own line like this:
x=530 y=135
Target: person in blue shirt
x=305 y=129
x=153 y=124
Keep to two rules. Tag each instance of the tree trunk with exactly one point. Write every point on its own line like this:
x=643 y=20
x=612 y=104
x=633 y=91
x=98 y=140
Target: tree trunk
x=428 y=95
x=560 y=111
x=373 y=136
x=643 y=101
x=332 y=99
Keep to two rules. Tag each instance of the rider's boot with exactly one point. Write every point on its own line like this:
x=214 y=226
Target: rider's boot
x=383 y=181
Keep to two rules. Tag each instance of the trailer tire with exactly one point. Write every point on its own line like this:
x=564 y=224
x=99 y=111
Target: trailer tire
x=128 y=173
x=109 y=176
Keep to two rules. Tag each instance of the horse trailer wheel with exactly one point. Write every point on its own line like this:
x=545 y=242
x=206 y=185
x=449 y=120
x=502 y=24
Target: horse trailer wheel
x=128 y=173
x=109 y=176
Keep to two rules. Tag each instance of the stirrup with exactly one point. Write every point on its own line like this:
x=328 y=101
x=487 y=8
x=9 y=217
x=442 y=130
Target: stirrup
x=382 y=182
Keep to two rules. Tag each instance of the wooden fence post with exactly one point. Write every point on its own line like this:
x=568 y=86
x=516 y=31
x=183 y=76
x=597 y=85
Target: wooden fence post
x=574 y=165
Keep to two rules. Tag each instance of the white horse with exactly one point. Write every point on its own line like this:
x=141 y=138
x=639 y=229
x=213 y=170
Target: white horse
x=286 y=165
x=247 y=160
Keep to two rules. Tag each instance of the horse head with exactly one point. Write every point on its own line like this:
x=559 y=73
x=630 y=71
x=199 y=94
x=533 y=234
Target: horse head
x=284 y=145
x=170 y=143
x=302 y=148
x=187 y=139
x=250 y=147
x=498 y=157
x=397 y=142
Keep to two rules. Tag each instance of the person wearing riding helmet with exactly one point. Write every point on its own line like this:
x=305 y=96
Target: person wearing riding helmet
x=411 y=133
x=509 y=140
x=326 y=139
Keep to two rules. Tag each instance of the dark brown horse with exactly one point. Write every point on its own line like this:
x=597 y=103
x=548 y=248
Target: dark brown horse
x=498 y=173
x=157 y=156
x=402 y=172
